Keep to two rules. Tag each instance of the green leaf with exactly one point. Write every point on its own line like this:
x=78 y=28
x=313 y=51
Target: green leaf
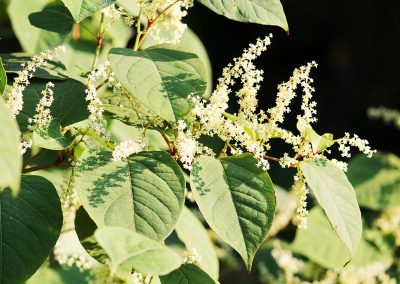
x=321 y=245
x=55 y=17
x=69 y=104
x=50 y=137
x=131 y=250
x=318 y=142
x=54 y=70
x=160 y=77
x=32 y=39
x=30 y=226
x=337 y=197
x=10 y=157
x=121 y=132
x=129 y=6
x=376 y=180
x=144 y=193
x=237 y=200
x=265 y=12
x=3 y=78
x=192 y=43
x=187 y=274
x=85 y=228
x=193 y=234
x=78 y=57
x=81 y=9
x=60 y=275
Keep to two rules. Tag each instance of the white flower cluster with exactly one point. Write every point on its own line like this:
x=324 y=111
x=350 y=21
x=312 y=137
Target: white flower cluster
x=286 y=93
x=97 y=123
x=43 y=115
x=169 y=27
x=81 y=262
x=286 y=161
x=185 y=145
x=113 y=14
x=251 y=131
x=355 y=141
x=15 y=97
x=287 y=262
x=340 y=164
x=24 y=146
x=139 y=278
x=301 y=190
x=126 y=148
x=388 y=115
x=212 y=116
x=191 y=256
x=370 y=274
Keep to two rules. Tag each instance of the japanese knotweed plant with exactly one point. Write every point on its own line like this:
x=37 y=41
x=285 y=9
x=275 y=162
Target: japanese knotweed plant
x=103 y=143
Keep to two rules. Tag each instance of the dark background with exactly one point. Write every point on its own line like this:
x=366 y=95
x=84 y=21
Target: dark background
x=357 y=47
x=355 y=43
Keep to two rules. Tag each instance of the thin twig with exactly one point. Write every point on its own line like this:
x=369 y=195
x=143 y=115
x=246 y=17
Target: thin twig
x=46 y=166
x=170 y=147
x=33 y=158
x=151 y=23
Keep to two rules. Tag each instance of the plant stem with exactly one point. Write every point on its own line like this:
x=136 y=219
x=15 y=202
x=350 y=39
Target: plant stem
x=151 y=23
x=46 y=166
x=271 y=158
x=100 y=37
x=138 y=32
x=170 y=147
x=223 y=151
x=76 y=31
x=34 y=157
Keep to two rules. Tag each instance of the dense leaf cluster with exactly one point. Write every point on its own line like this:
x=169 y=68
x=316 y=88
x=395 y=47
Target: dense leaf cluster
x=128 y=216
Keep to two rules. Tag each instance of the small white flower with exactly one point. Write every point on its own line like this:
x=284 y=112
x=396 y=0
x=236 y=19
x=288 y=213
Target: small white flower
x=191 y=256
x=24 y=146
x=301 y=190
x=340 y=164
x=355 y=141
x=15 y=97
x=43 y=115
x=126 y=148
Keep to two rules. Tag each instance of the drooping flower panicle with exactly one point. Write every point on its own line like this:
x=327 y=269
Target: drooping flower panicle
x=15 y=99
x=43 y=113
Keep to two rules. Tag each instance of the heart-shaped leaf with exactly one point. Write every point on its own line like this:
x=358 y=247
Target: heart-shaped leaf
x=55 y=17
x=144 y=193
x=237 y=200
x=30 y=226
x=131 y=250
x=160 y=77
x=187 y=274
